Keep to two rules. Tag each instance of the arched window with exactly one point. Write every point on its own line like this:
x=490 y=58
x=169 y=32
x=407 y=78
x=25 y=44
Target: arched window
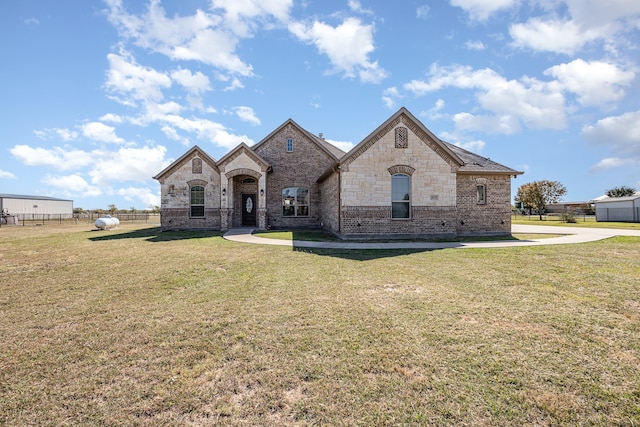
x=400 y=196
x=295 y=201
x=197 y=201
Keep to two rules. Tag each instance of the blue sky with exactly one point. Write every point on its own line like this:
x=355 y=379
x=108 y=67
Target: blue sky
x=99 y=96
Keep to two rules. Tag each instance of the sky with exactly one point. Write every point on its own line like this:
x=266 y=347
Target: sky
x=100 y=96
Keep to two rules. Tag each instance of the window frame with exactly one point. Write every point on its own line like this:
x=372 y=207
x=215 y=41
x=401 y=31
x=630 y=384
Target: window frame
x=481 y=194
x=406 y=199
x=197 y=207
x=299 y=209
x=289 y=145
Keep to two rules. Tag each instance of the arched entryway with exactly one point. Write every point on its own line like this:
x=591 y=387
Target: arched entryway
x=246 y=198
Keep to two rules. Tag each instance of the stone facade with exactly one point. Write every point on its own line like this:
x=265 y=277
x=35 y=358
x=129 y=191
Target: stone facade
x=450 y=191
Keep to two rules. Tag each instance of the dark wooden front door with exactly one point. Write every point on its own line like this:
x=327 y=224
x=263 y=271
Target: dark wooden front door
x=249 y=208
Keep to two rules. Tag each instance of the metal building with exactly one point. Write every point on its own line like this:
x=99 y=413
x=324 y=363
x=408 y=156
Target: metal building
x=35 y=206
x=625 y=209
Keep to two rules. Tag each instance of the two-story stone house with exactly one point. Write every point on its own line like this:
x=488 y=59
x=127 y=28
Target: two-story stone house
x=400 y=181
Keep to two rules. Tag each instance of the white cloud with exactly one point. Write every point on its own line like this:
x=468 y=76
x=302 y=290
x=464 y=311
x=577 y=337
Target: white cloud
x=345 y=146
x=127 y=164
x=235 y=84
x=611 y=14
x=98 y=131
x=551 y=35
x=242 y=17
x=142 y=194
x=66 y=134
x=390 y=96
x=32 y=21
x=620 y=133
x=455 y=138
x=6 y=175
x=434 y=112
x=481 y=10
x=194 y=83
x=572 y=24
x=356 y=7
x=511 y=103
x=594 y=82
x=422 y=11
x=247 y=114
x=113 y=118
x=206 y=130
x=348 y=47
x=56 y=157
x=72 y=184
x=610 y=163
x=62 y=133
x=203 y=37
x=135 y=82
x=475 y=45
x=173 y=134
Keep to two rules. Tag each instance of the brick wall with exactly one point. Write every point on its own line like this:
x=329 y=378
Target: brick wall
x=178 y=219
x=175 y=196
x=493 y=217
x=425 y=221
x=330 y=203
x=300 y=168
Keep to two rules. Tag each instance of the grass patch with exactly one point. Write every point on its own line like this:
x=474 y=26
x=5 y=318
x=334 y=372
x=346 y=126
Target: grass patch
x=137 y=327
x=581 y=221
x=323 y=236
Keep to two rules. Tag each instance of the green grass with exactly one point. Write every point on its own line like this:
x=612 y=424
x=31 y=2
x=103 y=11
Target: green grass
x=138 y=327
x=322 y=236
x=581 y=221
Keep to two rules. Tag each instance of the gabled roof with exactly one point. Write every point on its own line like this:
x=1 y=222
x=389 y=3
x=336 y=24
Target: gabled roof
x=25 y=197
x=176 y=163
x=476 y=164
x=607 y=199
x=403 y=115
x=334 y=152
x=243 y=148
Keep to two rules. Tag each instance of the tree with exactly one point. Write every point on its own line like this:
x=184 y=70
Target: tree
x=112 y=208
x=538 y=194
x=621 y=192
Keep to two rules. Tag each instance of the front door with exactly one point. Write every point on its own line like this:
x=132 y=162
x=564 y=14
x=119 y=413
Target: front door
x=249 y=210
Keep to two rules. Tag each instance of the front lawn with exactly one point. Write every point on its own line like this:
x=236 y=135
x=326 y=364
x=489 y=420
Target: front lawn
x=138 y=327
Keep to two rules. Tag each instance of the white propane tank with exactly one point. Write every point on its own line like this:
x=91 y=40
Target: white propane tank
x=106 y=223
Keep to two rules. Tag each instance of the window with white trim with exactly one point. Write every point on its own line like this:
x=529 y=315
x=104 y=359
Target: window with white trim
x=295 y=201
x=289 y=145
x=400 y=196
x=197 y=202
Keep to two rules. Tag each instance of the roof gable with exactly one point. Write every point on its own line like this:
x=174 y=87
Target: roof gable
x=405 y=117
x=239 y=151
x=183 y=159
x=332 y=151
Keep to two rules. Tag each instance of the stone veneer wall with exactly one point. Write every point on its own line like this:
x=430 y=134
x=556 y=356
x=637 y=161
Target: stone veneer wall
x=175 y=195
x=300 y=168
x=493 y=217
x=366 y=187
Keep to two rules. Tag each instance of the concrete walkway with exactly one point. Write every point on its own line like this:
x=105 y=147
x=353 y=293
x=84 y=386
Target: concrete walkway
x=569 y=235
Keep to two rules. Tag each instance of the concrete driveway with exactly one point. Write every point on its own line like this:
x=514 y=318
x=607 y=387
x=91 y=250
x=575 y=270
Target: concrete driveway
x=569 y=235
